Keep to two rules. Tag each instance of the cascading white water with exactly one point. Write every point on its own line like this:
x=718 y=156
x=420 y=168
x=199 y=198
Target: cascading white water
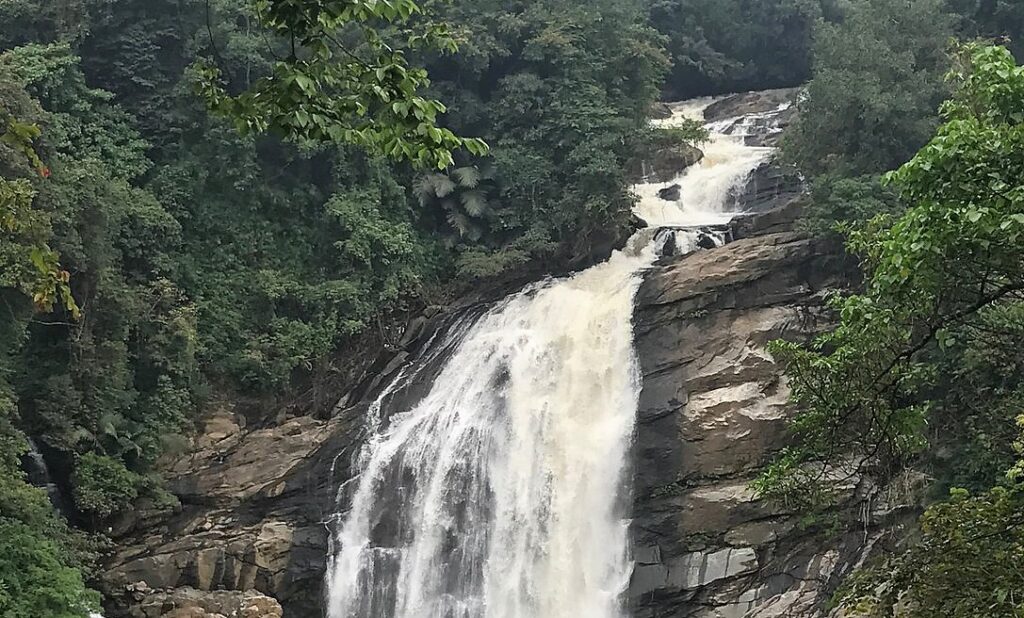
x=501 y=494
x=706 y=188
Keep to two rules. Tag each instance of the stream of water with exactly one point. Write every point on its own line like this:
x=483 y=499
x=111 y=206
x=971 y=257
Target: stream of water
x=503 y=493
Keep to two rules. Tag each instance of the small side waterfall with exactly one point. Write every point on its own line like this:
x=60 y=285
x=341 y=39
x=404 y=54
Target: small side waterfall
x=503 y=492
x=38 y=475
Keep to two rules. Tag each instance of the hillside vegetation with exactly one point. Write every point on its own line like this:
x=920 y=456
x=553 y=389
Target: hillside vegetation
x=155 y=258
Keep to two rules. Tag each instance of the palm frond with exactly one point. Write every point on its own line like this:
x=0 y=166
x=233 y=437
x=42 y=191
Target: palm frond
x=475 y=203
x=460 y=222
x=423 y=188
x=108 y=425
x=468 y=177
x=443 y=185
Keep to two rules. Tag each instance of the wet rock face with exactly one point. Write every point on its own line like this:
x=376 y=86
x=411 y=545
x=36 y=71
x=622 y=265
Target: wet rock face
x=671 y=193
x=760 y=117
x=770 y=187
x=712 y=412
x=665 y=163
x=747 y=103
x=256 y=503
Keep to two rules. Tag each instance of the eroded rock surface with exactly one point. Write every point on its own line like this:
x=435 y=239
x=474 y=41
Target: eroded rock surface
x=192 y=603
x=253 y=503
x=747 y=103
x=713 y=410
x=770 y=187
x=760 y=117
x=665 y=163
x=257 y=500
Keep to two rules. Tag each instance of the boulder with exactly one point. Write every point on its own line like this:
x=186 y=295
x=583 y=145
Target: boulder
x=665 y=163
x=770 y=187
x=750 y=103
x=706 y=241
x=672 y=193
x=660 y=111
x=782 y=219
x=192 y=603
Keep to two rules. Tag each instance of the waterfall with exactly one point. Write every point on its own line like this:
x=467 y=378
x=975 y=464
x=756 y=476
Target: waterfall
x=38 y=474
x=708 y=187
x=503 y=493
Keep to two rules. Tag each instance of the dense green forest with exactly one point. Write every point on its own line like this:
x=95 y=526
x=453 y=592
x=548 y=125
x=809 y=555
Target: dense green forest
x=155 y=258
x=921 y=174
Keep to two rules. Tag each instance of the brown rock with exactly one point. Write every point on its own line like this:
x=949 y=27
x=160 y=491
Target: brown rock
x=190 y=612
x=750 y=103
x=192 y=603
x=712 y=411
x=660 y=111
x=254 y=504
x=239 y=467
x=666 y=163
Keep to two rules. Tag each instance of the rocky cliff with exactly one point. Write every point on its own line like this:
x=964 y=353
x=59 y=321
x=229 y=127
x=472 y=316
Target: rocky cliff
x=712 y=409
x=257 y=501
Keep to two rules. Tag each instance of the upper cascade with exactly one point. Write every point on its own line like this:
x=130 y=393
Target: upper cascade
x=708 y=190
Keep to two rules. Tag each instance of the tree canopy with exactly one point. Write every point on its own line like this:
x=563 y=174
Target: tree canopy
x=933 y=341
x=342 y=77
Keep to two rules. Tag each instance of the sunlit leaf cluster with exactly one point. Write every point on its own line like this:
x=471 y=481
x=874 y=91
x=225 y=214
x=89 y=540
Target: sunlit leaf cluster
x=346 y=78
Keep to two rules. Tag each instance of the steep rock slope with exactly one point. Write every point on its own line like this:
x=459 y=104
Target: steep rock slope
x=253 y=503
x=257 y=502
x=713 y=411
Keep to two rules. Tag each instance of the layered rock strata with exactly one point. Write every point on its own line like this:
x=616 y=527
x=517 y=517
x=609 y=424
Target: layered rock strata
x=713 y=411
